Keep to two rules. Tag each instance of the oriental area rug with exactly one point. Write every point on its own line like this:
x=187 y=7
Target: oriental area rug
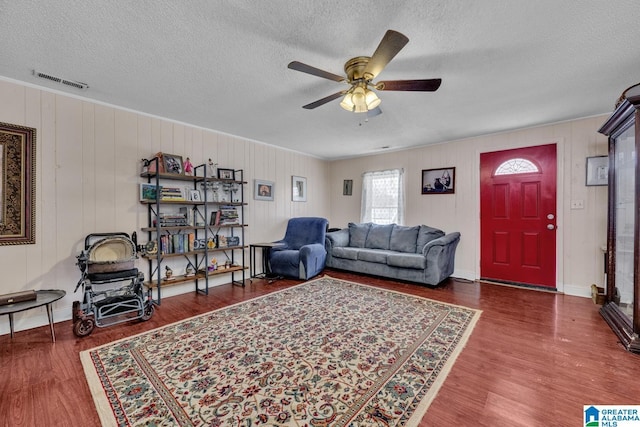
x=323 y=353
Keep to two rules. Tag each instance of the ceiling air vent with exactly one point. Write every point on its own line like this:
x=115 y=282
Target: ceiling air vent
x=72 y=83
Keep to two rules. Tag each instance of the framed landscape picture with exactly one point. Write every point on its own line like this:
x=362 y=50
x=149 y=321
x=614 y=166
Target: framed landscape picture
x=148 y=192
x=439 y=181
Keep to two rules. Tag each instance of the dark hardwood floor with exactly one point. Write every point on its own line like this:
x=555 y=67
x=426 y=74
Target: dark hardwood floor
x=534 y=358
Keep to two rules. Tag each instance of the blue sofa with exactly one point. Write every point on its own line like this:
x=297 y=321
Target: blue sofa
x=419 y=254
x=302 y=254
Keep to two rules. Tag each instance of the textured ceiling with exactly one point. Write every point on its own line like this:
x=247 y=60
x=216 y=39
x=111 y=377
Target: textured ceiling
x=222 y=65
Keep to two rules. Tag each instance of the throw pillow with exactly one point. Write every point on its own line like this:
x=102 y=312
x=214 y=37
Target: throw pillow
x=425 y=235
x=358 y=234
x=379 y=236
x=403 y=239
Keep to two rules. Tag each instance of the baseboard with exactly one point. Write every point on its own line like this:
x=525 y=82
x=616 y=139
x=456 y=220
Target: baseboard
x=577 y=291
x=464 y=274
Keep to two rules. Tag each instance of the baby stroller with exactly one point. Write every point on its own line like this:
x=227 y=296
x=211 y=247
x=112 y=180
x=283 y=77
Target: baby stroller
x=112 y=286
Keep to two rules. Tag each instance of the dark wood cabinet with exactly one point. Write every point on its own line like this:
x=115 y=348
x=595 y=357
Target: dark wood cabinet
x=621 y=310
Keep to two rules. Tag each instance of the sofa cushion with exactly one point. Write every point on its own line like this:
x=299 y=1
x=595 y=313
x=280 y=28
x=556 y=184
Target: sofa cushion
x=405 y=260
x=379 y=236
x=425 y=235
x=373 y=255
x=358 y=234
x=403 y=239
x=345 y=252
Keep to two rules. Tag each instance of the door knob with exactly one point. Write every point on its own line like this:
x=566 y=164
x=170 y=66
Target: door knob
x=550 y=216
x=551 y=227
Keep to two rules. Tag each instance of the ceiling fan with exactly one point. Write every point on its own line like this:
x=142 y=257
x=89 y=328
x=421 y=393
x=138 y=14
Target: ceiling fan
x=361 y=70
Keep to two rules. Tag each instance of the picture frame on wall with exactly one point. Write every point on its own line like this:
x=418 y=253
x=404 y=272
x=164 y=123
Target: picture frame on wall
x=597 y=171
x=439 y=181
x=172 y=164
x=18 y=187
x=263 y=190
x=298 y=189
x=347 y=187
x=226 y=174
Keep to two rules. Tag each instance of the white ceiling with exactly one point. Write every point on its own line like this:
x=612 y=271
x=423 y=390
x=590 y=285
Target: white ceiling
x=222 y=65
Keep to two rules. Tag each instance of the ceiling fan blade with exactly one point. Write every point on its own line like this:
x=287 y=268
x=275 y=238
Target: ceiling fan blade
x=425 y=85
x=299 y=66
x=389 y=46
x=375 y=112
x=324 y=100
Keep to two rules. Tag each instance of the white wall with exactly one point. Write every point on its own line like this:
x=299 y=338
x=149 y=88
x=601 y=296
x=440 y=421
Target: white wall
x=87 y=181
x=581 y=233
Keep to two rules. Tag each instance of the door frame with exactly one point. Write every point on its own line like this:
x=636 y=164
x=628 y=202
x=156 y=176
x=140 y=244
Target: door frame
x=561 y=203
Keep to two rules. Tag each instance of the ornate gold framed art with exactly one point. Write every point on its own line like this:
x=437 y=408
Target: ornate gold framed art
x=17 y=184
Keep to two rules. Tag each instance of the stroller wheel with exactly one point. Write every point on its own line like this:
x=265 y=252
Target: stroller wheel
x=149 y=309
x=83 y=327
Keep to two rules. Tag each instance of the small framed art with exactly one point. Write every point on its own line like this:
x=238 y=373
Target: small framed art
x=194 y=195
x=226 y=174
x=172 y=164
x=298 y=189
x=347 y=187
x=439 y=181
x=148 y=192
x=263 y=190
x=597 y=171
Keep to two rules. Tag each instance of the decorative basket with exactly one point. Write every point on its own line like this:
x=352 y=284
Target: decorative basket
x=597 y=294
x=111 y=254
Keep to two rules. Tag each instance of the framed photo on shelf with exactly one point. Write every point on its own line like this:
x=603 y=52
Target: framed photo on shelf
x=148 y=192
x=439 y=181
x=597 y=171
x=172 y=164
x=298 y=189
x=226 y=174
x=263 y=190
x=194 y=196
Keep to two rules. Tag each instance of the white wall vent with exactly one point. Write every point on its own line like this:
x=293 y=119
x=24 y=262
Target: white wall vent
x=51 y=78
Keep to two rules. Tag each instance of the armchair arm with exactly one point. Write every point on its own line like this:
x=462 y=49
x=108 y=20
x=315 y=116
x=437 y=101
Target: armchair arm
x=312 y=260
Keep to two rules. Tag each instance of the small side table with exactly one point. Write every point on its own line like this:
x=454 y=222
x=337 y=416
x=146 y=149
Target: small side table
x=44 y=297
x=266 y=249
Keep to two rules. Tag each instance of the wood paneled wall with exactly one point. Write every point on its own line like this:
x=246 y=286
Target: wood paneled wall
x=88 y=164
x=581 y=232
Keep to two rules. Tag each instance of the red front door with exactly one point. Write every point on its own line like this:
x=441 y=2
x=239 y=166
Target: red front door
x=518 y=216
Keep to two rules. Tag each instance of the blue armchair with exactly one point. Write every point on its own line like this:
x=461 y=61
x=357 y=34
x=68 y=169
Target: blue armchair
x=302 y=254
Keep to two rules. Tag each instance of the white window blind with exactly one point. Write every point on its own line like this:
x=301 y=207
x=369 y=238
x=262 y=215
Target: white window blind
x=383 y=197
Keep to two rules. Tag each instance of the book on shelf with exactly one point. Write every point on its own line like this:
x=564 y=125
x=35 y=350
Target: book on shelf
x=171 y=194
x=172 y=220
x=215 y=218
x=228 y=215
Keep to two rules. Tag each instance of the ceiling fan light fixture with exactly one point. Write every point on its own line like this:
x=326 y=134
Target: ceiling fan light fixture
x=372 y=100
x=347 y=103
x=360 y=100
